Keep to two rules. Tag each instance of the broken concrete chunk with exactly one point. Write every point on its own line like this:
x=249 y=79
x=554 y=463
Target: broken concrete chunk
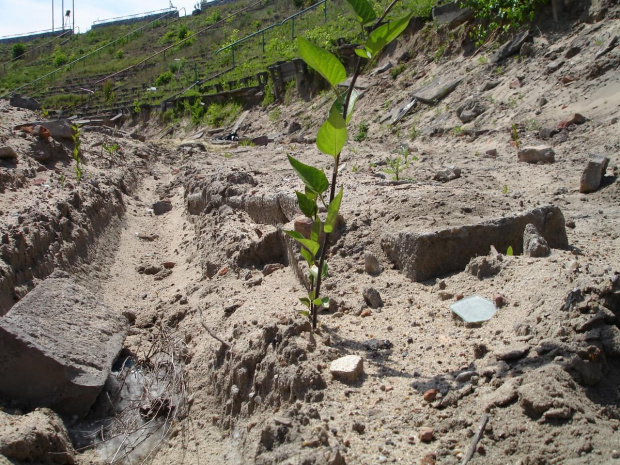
x=449 y=173
x=534 y=245
x=436 y=90
x=593 y=174
x=60 y=129
x=371 y=264
x=21 y=101
x=537 y=154
x=511 y=47
x=452 y=14
x=425 y=255
x=57 y=346
x=474 y=309
x=470 y=110
x=484 y=267
x=348 y=368
x=162 y=206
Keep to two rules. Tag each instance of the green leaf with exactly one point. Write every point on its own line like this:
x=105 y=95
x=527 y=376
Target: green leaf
x=332 y=213
x=307 y=256
x=314 y=273
x=364 y=11
x=385 y=34
x=361 y=52
x=316 y=230
x=312 y=246
x=321 y=302
x=333 y=135
x=322 y=61
x=325 y=270
x=338 y=105
x=314 y=179
x=304 y=313
x=305 y=301
x=509 y=251
x=306 y=205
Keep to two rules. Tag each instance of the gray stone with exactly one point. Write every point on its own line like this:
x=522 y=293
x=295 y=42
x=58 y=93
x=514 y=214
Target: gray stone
x=162 y=206
x=196 y=203
x=534 y=245
x=536 y=154
x=470 y=110
x=372 y=297
x=348 y=368
x=194 y=145
x=293 y=128
x=426 y=255
x=21 y=101
x=593 y=173
x=547 y=133
x=57 y=346
x=513 y=353
x=450 y=173
x=452 y=14
x=436 y=90
x=371 y=264
x=588 y=373
x=610 y=337
x=609 y=46
x=511 y=47
x=465 y=376
x=7 y=152
x=554 y=66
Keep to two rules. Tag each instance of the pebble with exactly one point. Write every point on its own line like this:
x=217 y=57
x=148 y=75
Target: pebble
x=426 y=434
x=371 y=264
x=431 y=395
x=348 y=368
x=365 y=313
x=372 y=297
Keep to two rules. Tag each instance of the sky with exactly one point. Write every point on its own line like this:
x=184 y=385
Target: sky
x=22 y=16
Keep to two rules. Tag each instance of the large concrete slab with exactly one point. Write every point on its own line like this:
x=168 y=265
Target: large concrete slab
x=57 y=346
x=436 y=90
x=426 y=255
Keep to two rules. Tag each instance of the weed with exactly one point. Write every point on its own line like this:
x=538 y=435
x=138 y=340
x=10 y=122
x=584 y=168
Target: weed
x=77 y=143
x=246 y=143
x=439 y=53
x=227 y=155
x=331 y=139
x=398 y=164
x=483 y=60
x=111 y=149
x=509 y=251
x=218 y=114
x=108 y=90
x=385 y=105
x=414 y=132
x=120 y=54
x=514 y=135
x=362 y=132
x=499 y=70
x=274 y=115
x=270 y=95
x=533 y=125
x=164 y=78
x=397 y=70
x=62 y=180
x=505 y=189
x=513 y=103
x=457 y=131
x=354 y=169
x=289 y=92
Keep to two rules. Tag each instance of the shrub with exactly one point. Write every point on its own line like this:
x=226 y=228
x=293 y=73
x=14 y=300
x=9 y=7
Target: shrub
x=221 y=114
x=362 y=132
x=17 y=50
x=59 y=58
x=164 y=78
x=120 y=54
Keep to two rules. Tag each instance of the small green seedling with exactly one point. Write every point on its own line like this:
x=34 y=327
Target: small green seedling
x=77 y=143
x=509 y=251
x=331 y=139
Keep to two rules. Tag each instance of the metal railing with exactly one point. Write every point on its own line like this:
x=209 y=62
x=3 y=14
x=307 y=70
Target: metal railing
x=262 y=31
x=137 y=15
x=25 y=34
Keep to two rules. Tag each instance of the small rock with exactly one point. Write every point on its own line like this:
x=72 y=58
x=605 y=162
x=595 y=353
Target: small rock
x=257 y=281
x=554 y=66
x=293 y=127
x=537 y=154
x=426 y=434
x=492 y=153
x=547 y=133
x=169 y=265
x=577 y=118
x=527 y=49
x=513 y=353
x=148 y=237
x=431 y=395
x=515 y=84
x=375 y=345
x=484 y=267
x=371 y=264
x=534 y=245
x=358 y=427
x=348 y=368
x=593 y=174
x=372 y=297
x=465 y=376
x=7 y=152
x=447 y=174
x=365 y=313
x=499 y=300
x=272 y=268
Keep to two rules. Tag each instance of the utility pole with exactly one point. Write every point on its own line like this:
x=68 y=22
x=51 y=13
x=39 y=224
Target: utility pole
x=73 y=12
x=52 y=15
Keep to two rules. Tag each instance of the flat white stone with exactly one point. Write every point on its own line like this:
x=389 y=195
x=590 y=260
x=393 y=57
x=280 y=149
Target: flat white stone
x=348 y=368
